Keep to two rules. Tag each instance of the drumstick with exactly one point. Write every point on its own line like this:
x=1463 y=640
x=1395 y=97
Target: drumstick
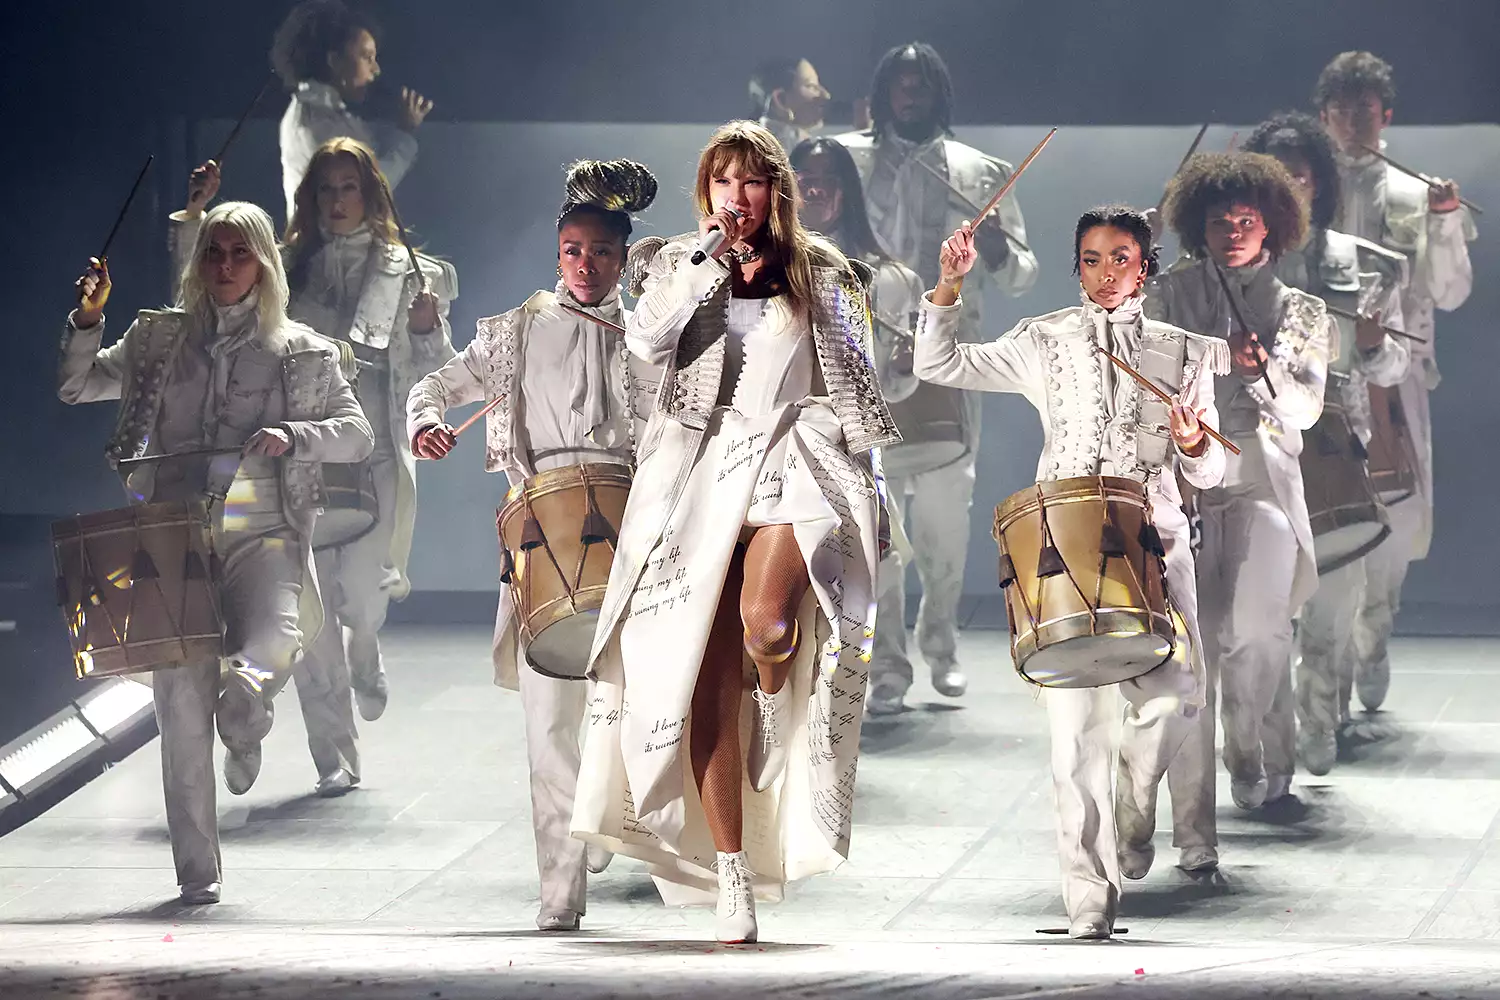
x=481 y=412
x=1005 y=189
x=593 y=319
x=195 y=453
x=1143 y=380
x=1350 y=314
x=1197 y=139
x=125 y=208
x=1421 y=177
x=967 y=201
x=234 y=133
x=401 y=228
x=1239 y=318
x=1011 y=180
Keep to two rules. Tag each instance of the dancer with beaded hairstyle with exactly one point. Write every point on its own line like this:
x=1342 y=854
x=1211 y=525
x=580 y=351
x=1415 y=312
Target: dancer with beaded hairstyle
x=1116 y=430
x=572 y=394
x=749 y=546
x=1433 y=228
x=326 y=56
x=1236 y=215
x=224 y=369
x=1366 y=279
x=352 y=280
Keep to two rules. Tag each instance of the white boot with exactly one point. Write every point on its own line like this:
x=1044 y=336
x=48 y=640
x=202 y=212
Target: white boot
x=736 y=912
x=767 y=745
x=598 y=858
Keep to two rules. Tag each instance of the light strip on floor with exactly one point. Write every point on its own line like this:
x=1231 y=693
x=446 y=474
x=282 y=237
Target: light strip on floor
x=116 y=706
x=47 y=752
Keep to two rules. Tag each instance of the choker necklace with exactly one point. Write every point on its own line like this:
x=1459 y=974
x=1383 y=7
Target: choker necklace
x=743 y=257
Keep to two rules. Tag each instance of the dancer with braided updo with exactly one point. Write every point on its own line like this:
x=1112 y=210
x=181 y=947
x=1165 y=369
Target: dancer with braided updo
x=572 y=396
x=744 y=581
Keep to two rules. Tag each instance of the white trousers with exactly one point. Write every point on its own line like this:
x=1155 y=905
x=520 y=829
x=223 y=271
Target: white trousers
x=1084 y=776
x=554 y=712
x=937 y=504
x=355 y=581
x=1411 y=526
x=1245 y=571
x=1325 y=632
x=260 y=586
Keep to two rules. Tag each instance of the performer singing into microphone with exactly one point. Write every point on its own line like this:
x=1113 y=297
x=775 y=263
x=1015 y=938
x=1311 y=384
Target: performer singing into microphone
x=573 y=395
x=1100 y=422
x=325 y=54
x=751 y=534
x=1354 y=96
x=788 y=98
x=1236 y=215
x=920 y=183
x=1366 y=279
x=224 y=369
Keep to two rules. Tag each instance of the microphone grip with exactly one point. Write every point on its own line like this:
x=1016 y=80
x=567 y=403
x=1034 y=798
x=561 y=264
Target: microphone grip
x=707 y=245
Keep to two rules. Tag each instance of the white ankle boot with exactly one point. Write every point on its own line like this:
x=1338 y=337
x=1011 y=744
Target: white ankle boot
x=736 y=913
x=767 y=742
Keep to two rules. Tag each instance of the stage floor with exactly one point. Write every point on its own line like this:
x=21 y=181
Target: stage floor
x=1382 y=880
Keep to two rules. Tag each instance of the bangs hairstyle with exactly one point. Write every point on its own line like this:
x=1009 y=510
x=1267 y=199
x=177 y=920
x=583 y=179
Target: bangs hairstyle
x=313 y=30
x=608 y=190
x=1212 y=180
x=1123 y=218
x=751 y=150
x=255 y=226
x=1293 y=134
x=854 y=221
x=303 y=236
x=921 y=58
x=1353 y=75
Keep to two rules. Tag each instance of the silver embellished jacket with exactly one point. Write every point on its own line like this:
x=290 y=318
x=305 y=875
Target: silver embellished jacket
x=322 y=415
x=683 y=317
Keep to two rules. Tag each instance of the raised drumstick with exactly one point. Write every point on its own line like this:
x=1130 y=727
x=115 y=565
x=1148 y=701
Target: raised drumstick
x=967 y=201
x=1143 y=380
x=1197 y=140
x=401 y=228
x=234 y=133
x=1421 y=177
x=125 y=208
x=1011 y=180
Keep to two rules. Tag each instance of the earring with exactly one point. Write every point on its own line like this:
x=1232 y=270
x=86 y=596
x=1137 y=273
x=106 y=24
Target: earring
x=559 y=270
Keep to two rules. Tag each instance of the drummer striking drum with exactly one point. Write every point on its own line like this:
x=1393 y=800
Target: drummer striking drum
x=225 y=370
x=1099 y=424
x=565 y=394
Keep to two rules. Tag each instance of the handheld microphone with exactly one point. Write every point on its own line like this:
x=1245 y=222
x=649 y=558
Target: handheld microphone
x=712 y=241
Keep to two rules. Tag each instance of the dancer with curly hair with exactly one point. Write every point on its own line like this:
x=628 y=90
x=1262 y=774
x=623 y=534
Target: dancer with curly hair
x=326 y=55
x=1236 y=215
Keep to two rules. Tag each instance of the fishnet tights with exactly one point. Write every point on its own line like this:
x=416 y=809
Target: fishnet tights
x=763 y=588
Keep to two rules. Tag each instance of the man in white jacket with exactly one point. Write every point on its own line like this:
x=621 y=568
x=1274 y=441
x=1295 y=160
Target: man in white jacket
x=1099 y=422
x=1427 y=223
x=919 y=185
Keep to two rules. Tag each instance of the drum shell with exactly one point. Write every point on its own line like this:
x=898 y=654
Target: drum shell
x=166 y=619
x=934 y=425
x=1348 y=520
x=1393 y=458
x=353 y=506
x=557 y=588
x=1102 y=621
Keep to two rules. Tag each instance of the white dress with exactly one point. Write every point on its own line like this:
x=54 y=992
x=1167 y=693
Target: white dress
x=773 y=453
